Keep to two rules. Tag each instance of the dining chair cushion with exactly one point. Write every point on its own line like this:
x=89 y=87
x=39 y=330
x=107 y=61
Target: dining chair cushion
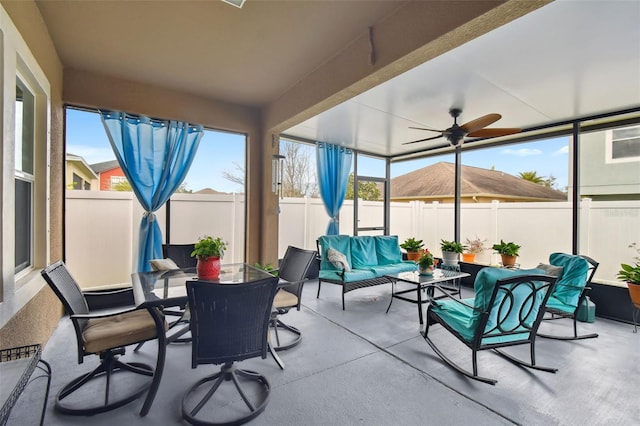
x=574 y=277
x=284 y=299
x=115 y=331
x=163 y=264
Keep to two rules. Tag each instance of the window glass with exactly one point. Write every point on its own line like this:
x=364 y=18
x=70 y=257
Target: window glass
x=625 y=143
x=24 y=178
x=610 y=201
x=206 y=203
x=517 y=193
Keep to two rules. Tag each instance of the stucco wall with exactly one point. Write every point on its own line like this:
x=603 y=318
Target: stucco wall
x=34 y=321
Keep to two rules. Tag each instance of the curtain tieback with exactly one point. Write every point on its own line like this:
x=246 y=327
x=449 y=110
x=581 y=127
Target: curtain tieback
x=150 y=216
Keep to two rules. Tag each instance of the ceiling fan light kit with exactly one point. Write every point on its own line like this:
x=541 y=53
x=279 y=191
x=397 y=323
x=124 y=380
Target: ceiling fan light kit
x=474 y=128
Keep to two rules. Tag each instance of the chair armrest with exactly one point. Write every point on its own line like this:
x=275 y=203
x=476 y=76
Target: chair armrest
x=103 y=314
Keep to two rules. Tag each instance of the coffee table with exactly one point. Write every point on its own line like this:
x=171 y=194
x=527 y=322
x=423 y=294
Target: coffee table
x=446 y=278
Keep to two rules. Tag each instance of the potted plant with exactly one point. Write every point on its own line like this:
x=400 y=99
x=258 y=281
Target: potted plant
x=412 y=246
x=451 y=251
x=631 y=275
x=209 y=251
x=426 y=262
x=508 y=251
x=475 y=246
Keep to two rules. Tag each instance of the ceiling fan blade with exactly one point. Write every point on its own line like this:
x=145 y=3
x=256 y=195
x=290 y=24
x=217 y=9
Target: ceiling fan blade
x=494 y=132
x=424 y=128
x=423 y=140
x=480 y=122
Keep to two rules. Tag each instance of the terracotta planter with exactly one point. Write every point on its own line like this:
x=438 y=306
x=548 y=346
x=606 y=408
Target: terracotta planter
x=508 y=261
x=634 y=293
x=208 y=269
x=413 y=255
x=469 y=257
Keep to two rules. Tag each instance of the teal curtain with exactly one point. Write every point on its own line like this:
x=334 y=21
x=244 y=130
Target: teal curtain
x=155 y=156
x=334 y=165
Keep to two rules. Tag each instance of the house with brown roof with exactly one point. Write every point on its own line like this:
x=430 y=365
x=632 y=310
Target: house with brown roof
x=110 y=174
x=478 y=185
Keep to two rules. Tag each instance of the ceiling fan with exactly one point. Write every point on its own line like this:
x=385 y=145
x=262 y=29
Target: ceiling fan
x=474 y=128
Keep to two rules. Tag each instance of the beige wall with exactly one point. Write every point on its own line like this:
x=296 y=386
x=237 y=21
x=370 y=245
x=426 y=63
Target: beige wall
x=35 y=321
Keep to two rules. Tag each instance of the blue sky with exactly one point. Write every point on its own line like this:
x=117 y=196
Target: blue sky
x=219 y=151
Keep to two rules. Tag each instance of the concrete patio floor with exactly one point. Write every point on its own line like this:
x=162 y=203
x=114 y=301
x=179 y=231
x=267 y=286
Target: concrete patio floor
x=362 y=366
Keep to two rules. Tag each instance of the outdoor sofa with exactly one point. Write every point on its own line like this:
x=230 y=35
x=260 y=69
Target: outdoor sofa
x=359 y=261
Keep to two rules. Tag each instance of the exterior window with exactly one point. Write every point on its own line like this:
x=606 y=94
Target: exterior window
x=87 y=186
x=116 y=180
x=624 y=144
x=24 y=176
x=77 y=182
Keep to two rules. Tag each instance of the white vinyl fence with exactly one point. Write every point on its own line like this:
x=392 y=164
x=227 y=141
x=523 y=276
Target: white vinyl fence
x=102 y=228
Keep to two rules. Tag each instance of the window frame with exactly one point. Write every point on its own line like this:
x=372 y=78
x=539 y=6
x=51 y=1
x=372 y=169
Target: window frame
x=610 y=141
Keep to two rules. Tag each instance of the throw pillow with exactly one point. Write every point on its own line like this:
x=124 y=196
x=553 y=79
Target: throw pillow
x=163 y=264
x=554 y=271
x=338 y=259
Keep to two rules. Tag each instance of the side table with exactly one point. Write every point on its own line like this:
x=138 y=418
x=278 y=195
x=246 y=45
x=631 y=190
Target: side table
x=16 y=367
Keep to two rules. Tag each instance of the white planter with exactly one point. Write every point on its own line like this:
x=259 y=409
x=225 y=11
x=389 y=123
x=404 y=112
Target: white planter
x=450 y=257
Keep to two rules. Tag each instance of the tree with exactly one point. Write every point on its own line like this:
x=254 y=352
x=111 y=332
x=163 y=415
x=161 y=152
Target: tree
x=367 y=191
x=237 y=177
x=298 y=173
x=532 y=176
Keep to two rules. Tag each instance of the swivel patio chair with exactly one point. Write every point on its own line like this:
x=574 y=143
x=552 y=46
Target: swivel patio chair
x=181 y=256
x=506 y=311
x=292 y=274
x=106 y=335
x=229 y=323
x=570 y=291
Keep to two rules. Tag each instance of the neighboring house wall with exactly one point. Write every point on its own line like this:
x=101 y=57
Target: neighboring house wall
x=602 y=178
x=105 y=178
x=77 y=177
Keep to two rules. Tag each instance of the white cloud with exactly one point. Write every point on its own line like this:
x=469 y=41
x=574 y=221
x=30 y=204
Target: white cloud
x=522 y=152
x=562 y=151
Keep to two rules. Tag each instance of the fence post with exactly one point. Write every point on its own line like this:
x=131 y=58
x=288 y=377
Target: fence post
x=494 y=231
x=584 y=216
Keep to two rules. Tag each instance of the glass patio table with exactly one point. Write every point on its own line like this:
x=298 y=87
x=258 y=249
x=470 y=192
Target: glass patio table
x=168 y=288
x=422 y=282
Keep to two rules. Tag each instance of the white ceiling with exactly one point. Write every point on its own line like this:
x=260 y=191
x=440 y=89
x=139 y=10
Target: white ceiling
x=570 y=58
x=565 y=60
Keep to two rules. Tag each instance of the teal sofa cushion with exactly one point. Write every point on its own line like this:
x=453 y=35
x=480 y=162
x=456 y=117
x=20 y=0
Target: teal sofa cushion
x=394 y=268
x=388 y=249
x=358 y=275
x=573 y=278
x=363 y=252
x=342 y=243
